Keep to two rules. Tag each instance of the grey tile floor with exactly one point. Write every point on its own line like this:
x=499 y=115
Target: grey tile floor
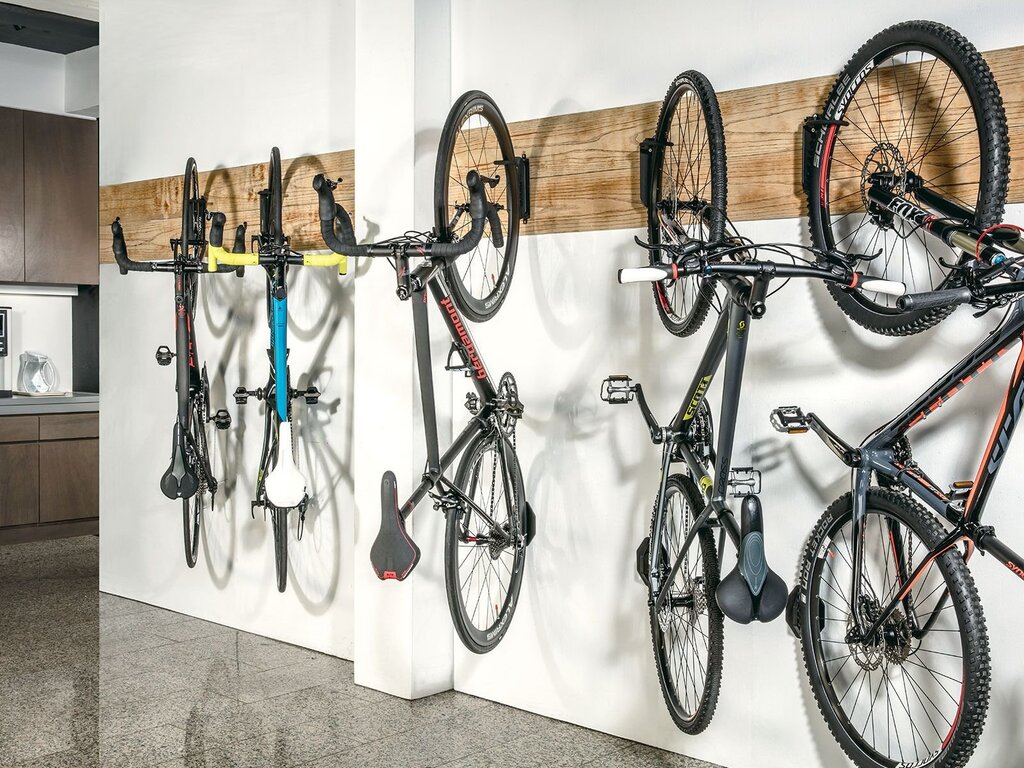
x=114 y=683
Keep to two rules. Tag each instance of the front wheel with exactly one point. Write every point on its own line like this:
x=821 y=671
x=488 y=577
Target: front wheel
x=279 y=520
x=475 y=137
x=485 y=543
x=688 y=630
x=916 y=693
x=191 y=512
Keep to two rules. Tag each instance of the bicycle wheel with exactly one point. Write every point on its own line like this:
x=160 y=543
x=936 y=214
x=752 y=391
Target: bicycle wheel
x=475 y=137
x=906 y=696
x=279 y=521
x=921 y=109
x=688 y=193
x=484 y=559
x=193 y=213
x=688 y=632
x=192 y=508
x=276 y=197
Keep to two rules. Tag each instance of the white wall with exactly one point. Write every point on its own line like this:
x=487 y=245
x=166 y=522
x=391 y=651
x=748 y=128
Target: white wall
x=580 y=642
x=169 y=88
x=32 y=79
x=82 y=82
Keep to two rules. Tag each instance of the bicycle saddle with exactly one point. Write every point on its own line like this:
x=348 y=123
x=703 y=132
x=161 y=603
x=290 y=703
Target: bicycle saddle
x=285 y=485
x=751 y=590
x=179 y=481
x=393 y=554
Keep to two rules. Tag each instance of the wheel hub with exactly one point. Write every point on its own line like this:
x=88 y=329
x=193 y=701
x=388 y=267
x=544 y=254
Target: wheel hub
x=869 y=652
x=886 y=167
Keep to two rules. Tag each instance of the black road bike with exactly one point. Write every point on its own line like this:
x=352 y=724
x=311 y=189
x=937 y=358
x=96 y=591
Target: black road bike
x=280 y=486
x=892 y=628
x=190 y=476
x=467 y=272
x=682 y=185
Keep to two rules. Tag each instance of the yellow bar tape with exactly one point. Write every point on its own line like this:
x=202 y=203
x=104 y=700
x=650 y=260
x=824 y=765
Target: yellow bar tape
x=326 y=260
x=215 y=255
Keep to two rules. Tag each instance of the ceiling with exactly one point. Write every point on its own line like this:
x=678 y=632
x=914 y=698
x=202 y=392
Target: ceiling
x=59 y=26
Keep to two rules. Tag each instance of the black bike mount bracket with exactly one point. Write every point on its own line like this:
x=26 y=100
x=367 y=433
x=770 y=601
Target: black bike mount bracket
x=522 y=165
x=647 y=147
x=164 y=355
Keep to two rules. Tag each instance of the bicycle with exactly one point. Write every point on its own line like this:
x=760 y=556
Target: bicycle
x=489 y=522
x=679 y=561
x=189 y=476
x=883 y=581
x=914 y=119
x=280 y=486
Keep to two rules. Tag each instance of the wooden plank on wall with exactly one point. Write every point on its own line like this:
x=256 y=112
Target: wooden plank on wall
x=585 y=167
x=150 y=210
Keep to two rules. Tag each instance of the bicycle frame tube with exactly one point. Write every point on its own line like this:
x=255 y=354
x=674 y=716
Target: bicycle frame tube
x=279 y=343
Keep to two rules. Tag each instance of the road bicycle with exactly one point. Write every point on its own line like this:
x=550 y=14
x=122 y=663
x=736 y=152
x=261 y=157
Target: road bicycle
x=690 y=257
x=280 y=486
x=891 y=624
x=911 y=145
x=489 y=522
x=189 y=476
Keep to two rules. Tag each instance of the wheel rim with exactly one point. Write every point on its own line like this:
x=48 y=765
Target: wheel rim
x=910 y=112
x=898 y=697
x=478 y=143
x=684 y=195
x=684 y=622
x=488 y=558
x=193 y=211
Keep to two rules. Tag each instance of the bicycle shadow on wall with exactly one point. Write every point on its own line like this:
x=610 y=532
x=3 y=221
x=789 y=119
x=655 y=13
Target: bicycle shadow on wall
x=556 y=478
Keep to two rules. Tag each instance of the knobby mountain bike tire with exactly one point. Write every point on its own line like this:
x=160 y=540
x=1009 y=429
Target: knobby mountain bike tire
x=918 y=98
x=903 y=697
x=688 y=632
x=475 y=137
x=688 y=185
x=483 y=565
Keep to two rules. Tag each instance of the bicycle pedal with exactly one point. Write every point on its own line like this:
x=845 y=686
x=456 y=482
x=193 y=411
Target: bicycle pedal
x=790 y=419
x=744 y=481
x=241 y=396
x=472 y=403
x=164 y=355
x=960 y=490
x=221 y=419
x=312 y=395
x=617 y=389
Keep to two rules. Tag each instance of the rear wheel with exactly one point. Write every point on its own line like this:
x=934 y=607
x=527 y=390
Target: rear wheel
x=688 y=631
x=485 y=554
x=475 y=137
x=917 y=692
x=688 y=194
x=915 y=107
x=279 y=520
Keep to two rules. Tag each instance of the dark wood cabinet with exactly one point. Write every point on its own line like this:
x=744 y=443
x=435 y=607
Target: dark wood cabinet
x=19 y=484
x=12 y=197
x=69 y=480
x=61 y=199
x=49 y=476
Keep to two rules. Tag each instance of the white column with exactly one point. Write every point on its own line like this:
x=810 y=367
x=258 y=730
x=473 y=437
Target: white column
x=403 y=634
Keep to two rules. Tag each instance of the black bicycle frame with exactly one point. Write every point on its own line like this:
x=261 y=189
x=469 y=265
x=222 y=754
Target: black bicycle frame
x=430 y=275
x=728 y=340
x=877 y=455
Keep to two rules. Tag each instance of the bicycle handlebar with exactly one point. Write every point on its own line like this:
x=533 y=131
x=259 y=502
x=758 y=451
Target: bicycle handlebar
x=337 y=232
x=932 y=299
x=124 y=263
x=216 y=255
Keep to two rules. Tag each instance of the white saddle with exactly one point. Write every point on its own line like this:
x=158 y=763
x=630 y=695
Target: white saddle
x=285 y=486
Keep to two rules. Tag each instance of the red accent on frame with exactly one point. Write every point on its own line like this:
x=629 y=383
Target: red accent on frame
x=826 y=156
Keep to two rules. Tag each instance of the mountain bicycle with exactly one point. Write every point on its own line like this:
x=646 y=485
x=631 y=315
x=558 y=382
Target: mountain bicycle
x=189 y=476
x=910 y=146
x=690 y=258
x=891 y=624
x=280 y=486
x=489 y=522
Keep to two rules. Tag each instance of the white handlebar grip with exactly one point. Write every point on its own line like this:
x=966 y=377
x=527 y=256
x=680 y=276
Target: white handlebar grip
x=642 y=274
x=888 y=287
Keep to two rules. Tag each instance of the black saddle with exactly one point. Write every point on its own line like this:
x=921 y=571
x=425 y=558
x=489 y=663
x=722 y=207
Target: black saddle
x=179 y=481
x=751 y=590
x=393 y=554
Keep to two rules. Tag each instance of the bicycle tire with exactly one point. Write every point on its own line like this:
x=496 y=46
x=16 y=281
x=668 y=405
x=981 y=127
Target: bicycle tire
x=279 y=521
x=474 y=112
x=707 y=213
x=960 y=60
x=276 y=197
x=483 y=636
x=916 y=531
x=697 y=717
